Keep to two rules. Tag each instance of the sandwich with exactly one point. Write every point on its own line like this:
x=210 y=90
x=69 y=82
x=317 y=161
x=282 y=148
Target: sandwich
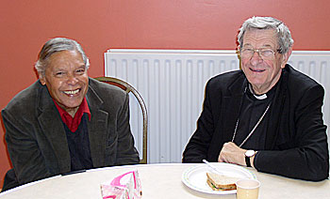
x=221 y=182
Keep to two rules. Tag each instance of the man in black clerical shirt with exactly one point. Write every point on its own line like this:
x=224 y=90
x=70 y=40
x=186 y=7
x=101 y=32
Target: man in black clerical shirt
x=266 y=115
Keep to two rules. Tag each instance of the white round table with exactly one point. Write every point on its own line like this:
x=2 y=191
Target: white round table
x=158 y=181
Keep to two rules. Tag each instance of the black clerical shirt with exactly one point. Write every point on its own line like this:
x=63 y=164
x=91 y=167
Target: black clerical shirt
x=251 y=112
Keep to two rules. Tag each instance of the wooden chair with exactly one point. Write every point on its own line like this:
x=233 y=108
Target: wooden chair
x=130 y=89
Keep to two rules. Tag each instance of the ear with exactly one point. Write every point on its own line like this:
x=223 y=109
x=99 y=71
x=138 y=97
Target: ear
x=285 y=57
x=42 y=79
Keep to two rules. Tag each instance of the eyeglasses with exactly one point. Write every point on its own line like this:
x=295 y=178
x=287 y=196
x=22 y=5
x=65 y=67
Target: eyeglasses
x=264 y=53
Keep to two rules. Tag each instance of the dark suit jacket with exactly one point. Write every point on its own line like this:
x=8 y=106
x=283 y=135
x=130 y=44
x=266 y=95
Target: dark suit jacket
x=36 y=139
x=296 y=141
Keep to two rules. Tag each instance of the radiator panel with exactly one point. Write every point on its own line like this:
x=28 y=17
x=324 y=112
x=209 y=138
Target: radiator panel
x=172 y=84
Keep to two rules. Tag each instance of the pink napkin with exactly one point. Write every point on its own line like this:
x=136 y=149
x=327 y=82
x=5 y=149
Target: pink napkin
x=125 y=186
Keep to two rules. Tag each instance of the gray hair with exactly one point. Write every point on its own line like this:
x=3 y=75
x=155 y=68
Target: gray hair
x=57 y=45
x=285 y=40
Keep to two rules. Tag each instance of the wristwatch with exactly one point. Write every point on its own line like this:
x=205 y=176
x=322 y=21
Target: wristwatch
x=248 y=154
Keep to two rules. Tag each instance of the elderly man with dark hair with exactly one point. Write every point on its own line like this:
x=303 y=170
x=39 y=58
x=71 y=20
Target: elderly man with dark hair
x=266 y=115
x=66 y=121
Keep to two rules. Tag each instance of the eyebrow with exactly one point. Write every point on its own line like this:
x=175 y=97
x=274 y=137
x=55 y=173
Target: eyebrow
x=264 y=46
x=268 y=46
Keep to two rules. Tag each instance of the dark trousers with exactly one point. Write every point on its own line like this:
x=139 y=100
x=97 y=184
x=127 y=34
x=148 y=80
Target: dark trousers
x=10 y=180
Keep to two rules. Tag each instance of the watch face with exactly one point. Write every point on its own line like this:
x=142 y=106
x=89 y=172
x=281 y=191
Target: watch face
x=249 y=153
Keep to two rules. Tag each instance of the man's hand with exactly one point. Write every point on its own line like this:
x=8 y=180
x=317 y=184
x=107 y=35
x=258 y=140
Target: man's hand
x=231 y=153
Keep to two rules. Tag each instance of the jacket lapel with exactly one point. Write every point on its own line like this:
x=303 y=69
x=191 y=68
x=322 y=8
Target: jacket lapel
x=276 y=111
x=232 y=105
x=52 y=127
x=97 y=128
x=230 y=108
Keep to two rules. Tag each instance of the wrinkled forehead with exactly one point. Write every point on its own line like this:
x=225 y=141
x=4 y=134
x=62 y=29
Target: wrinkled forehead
x=260 y=38
x=66 y=57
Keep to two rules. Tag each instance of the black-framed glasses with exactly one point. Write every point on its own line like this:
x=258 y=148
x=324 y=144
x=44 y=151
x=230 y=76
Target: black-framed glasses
x=264 y=53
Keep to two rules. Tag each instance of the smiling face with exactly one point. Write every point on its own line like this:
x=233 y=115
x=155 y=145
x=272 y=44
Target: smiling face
x=263 y=74
x=66 y=79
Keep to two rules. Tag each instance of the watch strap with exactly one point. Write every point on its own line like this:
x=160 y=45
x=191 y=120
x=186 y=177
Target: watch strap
x=247 y=161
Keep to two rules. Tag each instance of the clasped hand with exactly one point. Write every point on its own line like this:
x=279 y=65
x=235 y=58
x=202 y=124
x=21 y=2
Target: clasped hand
x=231 y=153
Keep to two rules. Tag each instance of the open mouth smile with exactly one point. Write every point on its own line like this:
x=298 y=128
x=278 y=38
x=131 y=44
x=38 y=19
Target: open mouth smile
x=72 y=92
x=257 y=71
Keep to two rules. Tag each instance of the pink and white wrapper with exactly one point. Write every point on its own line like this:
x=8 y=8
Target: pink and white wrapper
x=125 y=186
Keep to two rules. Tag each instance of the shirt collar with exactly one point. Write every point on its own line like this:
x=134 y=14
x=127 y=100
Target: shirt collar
x=73 y=122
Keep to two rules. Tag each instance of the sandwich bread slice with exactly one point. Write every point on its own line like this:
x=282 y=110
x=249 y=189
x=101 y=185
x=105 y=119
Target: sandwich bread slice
x=221 y=182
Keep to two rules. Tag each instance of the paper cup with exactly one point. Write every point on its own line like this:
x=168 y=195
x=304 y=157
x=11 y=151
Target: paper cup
x=247 y=189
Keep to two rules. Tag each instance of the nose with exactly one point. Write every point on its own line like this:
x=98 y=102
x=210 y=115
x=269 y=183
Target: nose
x=256 y=58
x=72 y=79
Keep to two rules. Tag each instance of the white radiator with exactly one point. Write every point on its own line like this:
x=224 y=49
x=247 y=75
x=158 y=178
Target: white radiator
x=172 y=84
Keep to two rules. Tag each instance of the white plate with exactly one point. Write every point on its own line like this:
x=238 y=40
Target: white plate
x=195 y=177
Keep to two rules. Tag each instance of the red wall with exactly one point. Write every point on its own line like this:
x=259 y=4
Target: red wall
x=166 y=24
